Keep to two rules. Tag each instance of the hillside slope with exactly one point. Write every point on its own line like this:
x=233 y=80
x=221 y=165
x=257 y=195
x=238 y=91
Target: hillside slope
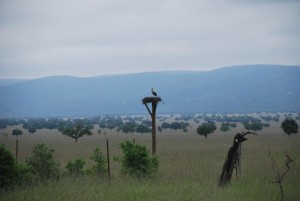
x=254 y=88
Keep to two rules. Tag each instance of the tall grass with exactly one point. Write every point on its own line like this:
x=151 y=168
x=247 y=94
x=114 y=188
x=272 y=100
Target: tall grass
x=189 y=168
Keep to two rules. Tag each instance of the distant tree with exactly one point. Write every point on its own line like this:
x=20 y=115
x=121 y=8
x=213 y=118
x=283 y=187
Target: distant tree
x=233 y=125
x=3 y=123
x=289 y=126
x=225 y=127
x=143 y=129
x=255 y=126
x=76 y=132
x=206 y=128
x=175 y=125
x=165 y=125
x=17 y=132
x=159 y=129
x=129 y=127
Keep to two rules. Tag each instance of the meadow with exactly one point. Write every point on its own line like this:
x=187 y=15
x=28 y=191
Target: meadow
x=189 y=165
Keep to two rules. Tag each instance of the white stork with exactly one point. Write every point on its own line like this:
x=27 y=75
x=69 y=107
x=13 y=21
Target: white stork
x=153 y=92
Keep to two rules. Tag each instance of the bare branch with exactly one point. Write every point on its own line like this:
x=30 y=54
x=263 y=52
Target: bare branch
x=279 y=177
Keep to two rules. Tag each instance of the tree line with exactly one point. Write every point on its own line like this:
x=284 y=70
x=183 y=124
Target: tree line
x=77 y=127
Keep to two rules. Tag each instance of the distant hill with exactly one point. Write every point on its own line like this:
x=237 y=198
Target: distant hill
x=5 y=82
x=254 y=88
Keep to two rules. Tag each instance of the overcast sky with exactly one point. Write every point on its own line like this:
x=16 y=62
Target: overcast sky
x=89 y=38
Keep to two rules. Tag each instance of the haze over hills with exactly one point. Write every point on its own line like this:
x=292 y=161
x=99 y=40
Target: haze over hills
x=254 y=88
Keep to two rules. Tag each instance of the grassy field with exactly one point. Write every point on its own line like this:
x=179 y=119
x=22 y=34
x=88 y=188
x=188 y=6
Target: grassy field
x=189 y=167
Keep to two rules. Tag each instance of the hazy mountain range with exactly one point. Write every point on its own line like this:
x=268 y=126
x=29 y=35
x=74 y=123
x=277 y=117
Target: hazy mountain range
x=254 y=88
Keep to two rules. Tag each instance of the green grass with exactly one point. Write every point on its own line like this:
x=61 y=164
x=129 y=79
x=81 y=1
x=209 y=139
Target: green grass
x=189 y=167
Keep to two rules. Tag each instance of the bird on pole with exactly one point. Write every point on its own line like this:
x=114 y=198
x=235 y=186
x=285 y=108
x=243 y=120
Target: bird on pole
x=153 y=92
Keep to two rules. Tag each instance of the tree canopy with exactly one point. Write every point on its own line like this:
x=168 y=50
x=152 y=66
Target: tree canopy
x=206 y=128
x=289 y=126
x=17 y=132
x=77 y=132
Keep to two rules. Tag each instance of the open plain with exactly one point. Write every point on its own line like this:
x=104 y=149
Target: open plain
x=189 y=165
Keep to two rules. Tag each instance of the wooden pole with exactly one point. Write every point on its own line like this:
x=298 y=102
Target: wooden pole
x=154 y=104
x=154 y=101
x=108 y=164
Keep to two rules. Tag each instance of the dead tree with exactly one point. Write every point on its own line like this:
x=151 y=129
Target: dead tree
x=233 y=159
x=278 y=176
x=154 y=100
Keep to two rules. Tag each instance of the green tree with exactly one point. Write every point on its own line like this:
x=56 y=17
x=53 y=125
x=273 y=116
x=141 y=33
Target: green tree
x=165 y=125
x=17 y=132
x=137 y=161
x=175 y=125
x=225 y=127
x=75 y=167
x=76 y=132
x=98 y=157
x=255 y=126
x=129 y=127
x=289 y=126
x=42 y=162
x=159 y=129
x=8 y=168
x=206 y=128
x=143 y=129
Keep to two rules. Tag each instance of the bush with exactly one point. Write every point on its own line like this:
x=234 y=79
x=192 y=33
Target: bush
x=8 y=168
x=75 y=168
x=25 y=174
x=100 y=167
x=42 y=162
x=12 y=173
x=137 y=161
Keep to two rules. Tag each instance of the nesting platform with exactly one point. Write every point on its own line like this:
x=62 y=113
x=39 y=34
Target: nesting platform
x=151 y=99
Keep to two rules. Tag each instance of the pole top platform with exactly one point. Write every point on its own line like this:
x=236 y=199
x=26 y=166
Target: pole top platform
x=151 y=99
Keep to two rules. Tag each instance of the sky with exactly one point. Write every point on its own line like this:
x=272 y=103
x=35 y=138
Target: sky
x=84 y=38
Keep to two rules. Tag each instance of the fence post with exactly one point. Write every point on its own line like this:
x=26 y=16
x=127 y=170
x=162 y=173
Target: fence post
x=108 y=164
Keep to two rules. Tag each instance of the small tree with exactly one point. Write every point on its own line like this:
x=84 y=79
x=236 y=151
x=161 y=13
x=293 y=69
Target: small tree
x=206 y=128
x=17 y=132
x=75 y=167
x=76 y=132
x=225 y=127
x=255 y=126
x=129 y=127
x=137 y=160
x=289 y=126
x=279 y=176
x=143 y=129
x=100 y=166
x=159 y=129
x=42 y=162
